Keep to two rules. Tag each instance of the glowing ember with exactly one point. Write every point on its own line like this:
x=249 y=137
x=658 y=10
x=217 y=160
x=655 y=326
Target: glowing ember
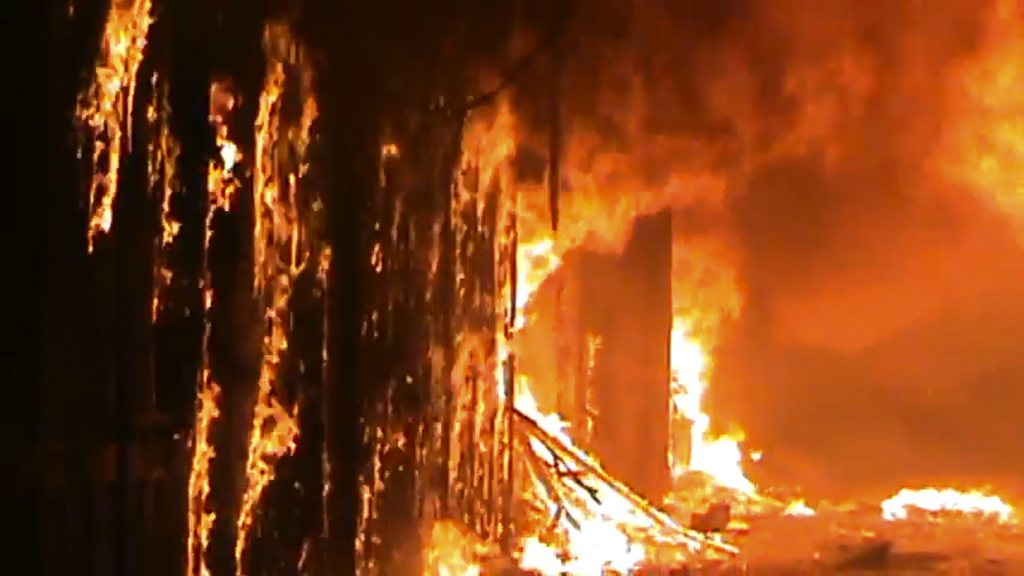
x=946 y=500
x=107 y=109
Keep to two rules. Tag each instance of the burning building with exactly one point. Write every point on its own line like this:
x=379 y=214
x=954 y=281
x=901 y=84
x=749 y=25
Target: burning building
x=530 y=287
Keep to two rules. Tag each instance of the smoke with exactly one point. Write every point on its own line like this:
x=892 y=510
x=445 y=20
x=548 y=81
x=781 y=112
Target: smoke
x=826 y=163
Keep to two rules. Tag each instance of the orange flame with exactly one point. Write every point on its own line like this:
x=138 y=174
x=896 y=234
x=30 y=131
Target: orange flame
x=220 y=180
x=603 y=532
x=265 y=183
x=276 y=237
x=720 y=458
x=454 y=551
x=200 y=520
x=163 y=154
x=107 y=109
x=798 y=507
x=984 y=145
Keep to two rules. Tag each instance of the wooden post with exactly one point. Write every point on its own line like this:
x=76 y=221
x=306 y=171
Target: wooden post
x=632 y=308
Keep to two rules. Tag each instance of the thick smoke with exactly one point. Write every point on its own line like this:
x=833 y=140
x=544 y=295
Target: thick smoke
x=870 y=300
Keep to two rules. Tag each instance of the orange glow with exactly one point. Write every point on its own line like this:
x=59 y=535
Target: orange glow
x=537 y=261
x=946 y=500
x=107 y=108
x=389 y=150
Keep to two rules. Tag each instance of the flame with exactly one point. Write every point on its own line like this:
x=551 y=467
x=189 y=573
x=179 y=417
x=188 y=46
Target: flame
x=983 y=147
x=718 y=457
x=163 y=155
x=937 y=500
x=536 y=261
x=221 y=182
x=598 y=538
x=200 y=520
x=107 y=108
x=601 y=525
x=276 y=238
x=389 y=150
x=798 y=508
x=265 y=185
x=453 y=551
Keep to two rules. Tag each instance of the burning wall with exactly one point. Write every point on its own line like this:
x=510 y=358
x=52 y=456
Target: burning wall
x=802 y=151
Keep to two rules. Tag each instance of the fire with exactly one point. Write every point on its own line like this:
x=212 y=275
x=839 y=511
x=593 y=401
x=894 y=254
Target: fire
x=984 y=143
x=277 y=233
x=595 y=538
x=265 y=185
x=107 y=109
x=453 y=551
x=200 y=520
x=937 y=500
x=718 y=457
x=220 y=180
x=163 y=155
x=798 y=507
x=536 y=261
x=595 y=522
